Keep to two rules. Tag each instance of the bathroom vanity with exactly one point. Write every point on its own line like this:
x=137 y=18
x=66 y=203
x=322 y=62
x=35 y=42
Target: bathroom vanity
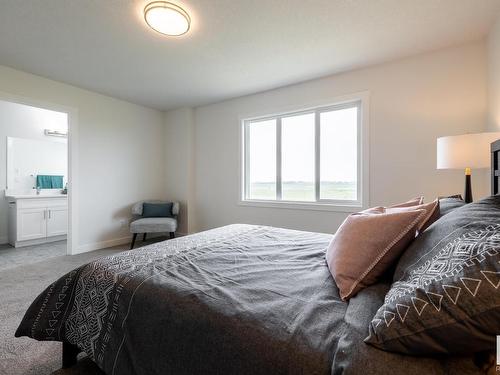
x=37 y=210
x=35 y=219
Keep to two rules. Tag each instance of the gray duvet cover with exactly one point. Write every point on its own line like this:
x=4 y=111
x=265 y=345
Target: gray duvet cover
x=240 y=299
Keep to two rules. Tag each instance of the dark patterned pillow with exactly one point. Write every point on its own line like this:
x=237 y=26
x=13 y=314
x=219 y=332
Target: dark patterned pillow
x=448 y=204
x=445 y=297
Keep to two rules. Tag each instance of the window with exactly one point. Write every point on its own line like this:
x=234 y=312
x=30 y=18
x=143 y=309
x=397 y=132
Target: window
x=308 y=157
x=262 y=165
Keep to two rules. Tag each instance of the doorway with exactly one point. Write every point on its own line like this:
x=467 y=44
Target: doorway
x=37 y=199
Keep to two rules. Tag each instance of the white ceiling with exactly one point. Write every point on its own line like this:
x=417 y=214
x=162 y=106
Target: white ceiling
x=235 y=47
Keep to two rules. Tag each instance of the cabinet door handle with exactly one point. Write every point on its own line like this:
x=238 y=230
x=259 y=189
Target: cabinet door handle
x=49 y=214
x=44 y=214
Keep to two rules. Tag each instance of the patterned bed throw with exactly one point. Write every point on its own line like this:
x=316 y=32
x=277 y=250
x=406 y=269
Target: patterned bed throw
x=238 y=299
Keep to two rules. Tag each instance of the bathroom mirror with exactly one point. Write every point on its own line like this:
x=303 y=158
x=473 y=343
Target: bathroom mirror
x=28 y=158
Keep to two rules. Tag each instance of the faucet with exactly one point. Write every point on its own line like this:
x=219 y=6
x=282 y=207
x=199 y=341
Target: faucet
x=38 y=190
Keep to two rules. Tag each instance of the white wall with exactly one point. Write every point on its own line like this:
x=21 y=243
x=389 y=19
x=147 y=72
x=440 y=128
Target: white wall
x=120 y=154
x=179 y=164
x=494 y=77
x=412 y=102
x=128 y=152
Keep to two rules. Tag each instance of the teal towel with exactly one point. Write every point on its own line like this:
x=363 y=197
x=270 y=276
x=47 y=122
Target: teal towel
x=49 y=182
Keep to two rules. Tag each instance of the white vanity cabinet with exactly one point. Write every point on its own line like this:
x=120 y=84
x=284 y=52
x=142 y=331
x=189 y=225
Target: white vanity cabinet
x=37 y=220
x=57 y=221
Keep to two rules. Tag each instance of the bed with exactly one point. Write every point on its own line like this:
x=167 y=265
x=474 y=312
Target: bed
x=241 y=299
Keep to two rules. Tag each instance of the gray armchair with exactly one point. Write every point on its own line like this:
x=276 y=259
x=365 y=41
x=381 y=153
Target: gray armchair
x=147 y=225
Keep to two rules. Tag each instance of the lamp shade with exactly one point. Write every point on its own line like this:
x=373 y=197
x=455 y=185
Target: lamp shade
x=465 y=151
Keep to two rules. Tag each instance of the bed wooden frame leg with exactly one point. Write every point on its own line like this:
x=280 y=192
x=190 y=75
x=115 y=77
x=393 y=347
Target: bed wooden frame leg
x=69 y=354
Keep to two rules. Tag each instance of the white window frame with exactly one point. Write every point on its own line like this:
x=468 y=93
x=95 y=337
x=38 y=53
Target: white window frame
x=359 y=100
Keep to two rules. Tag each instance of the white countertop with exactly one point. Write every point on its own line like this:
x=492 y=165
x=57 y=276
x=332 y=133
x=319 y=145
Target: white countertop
x=51 y=194
x=31 y=196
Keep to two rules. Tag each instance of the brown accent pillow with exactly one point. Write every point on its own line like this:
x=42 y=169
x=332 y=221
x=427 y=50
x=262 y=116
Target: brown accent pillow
x=367 y=244
x=412 y=202
x=432 y=215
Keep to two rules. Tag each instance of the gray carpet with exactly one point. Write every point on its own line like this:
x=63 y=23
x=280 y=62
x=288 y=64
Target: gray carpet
x=19 y=285
x=11 y=257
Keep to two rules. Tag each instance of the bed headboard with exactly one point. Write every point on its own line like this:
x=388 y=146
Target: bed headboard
x=495 y=167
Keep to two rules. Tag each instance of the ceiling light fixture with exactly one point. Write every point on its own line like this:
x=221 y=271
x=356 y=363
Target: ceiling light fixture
x=167 y=18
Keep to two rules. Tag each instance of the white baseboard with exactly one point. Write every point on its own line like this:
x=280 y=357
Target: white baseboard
x=102 y=245
x=40 y=241
x=114 y=242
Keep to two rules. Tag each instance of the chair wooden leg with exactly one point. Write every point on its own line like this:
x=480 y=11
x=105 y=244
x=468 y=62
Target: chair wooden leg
x=172 y=235
x=133 y=241
x=144 y=237
x=69 y=355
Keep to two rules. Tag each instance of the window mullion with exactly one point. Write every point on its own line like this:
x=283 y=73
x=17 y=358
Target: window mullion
x=359 y=165
x=317 y=137
x=278 y=159
x=246 y=130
